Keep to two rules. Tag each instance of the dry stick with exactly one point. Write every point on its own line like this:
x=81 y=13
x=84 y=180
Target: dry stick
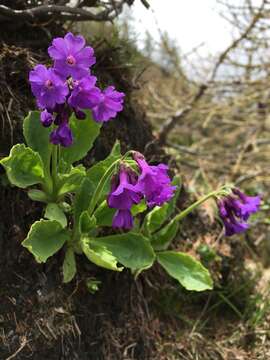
x=145 y=3
x=181 y=114
x=241 y=154
x=169 y=126
x=24 y=342
x=235 y=43
x=64 y=12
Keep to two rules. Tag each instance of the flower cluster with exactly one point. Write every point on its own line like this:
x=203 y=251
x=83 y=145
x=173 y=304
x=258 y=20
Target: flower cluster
x=69 y=87
x=128 y=189
x=235 y=210
x=122 y=196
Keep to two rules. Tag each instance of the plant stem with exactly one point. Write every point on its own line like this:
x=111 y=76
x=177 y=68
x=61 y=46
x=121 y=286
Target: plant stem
x=47 y=185
x=55 y=170
x=185 y=212
x=101 y=185
x=130 y=152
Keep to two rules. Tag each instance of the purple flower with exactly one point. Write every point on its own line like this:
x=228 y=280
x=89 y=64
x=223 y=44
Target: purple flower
x=154 y=182
x=62 y=135
x=111 y=102
x=69 y=87
x=85 y=95
x=70 y=56
x=46 y=118
x=123 y=219
x=62 y=112
x=47 y=87
x=235 y=209
x=123 y=192
x=80 y=115
x=246 y=205
x=122 y=196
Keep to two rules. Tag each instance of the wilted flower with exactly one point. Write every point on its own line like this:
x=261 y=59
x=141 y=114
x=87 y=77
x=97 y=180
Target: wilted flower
x=235 y=209
x=154 y=182
x=47 y=87
x=70 y=56
x=122 y=196
x=110 y=104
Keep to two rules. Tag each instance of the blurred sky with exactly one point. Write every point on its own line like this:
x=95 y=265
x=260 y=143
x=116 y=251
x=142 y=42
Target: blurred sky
x=189 y=22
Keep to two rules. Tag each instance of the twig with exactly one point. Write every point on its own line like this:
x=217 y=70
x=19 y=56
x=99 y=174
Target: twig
x=145 y=3
x=188 y=150
x=248 y=177
x=24 y=342
x=182 y=113
x=235 y=43
x=64 y=12
x=169 y=126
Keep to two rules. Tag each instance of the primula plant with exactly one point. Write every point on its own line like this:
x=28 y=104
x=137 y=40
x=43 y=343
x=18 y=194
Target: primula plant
x=124 y=192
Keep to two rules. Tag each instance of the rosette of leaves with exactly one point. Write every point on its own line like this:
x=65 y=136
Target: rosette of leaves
x=76 y=211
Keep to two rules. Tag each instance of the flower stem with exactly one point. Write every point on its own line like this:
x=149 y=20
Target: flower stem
x=127 y=154
x=193 y=206
x=48 y=183
x=100 y=186
x=55 y=170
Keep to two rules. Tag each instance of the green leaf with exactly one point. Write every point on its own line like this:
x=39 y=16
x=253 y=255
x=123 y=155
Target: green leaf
x=37 y=136
x=100 y=255
x=45 y=238
x=104 y=214
x=155 y=218
x=86 y=223
x=63 y=167
x=85 y=133
x=71 y=182
x=37 y=195
x=130 y=249
x=24 y=167
x=139 y=208
x=54 y=212
x=82 y=198
x=162 y=239
x=95 y=173
x=191 y=274
x=69 y=265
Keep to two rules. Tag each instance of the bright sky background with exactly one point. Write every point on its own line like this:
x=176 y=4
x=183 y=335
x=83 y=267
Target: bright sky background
x=189 y=22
